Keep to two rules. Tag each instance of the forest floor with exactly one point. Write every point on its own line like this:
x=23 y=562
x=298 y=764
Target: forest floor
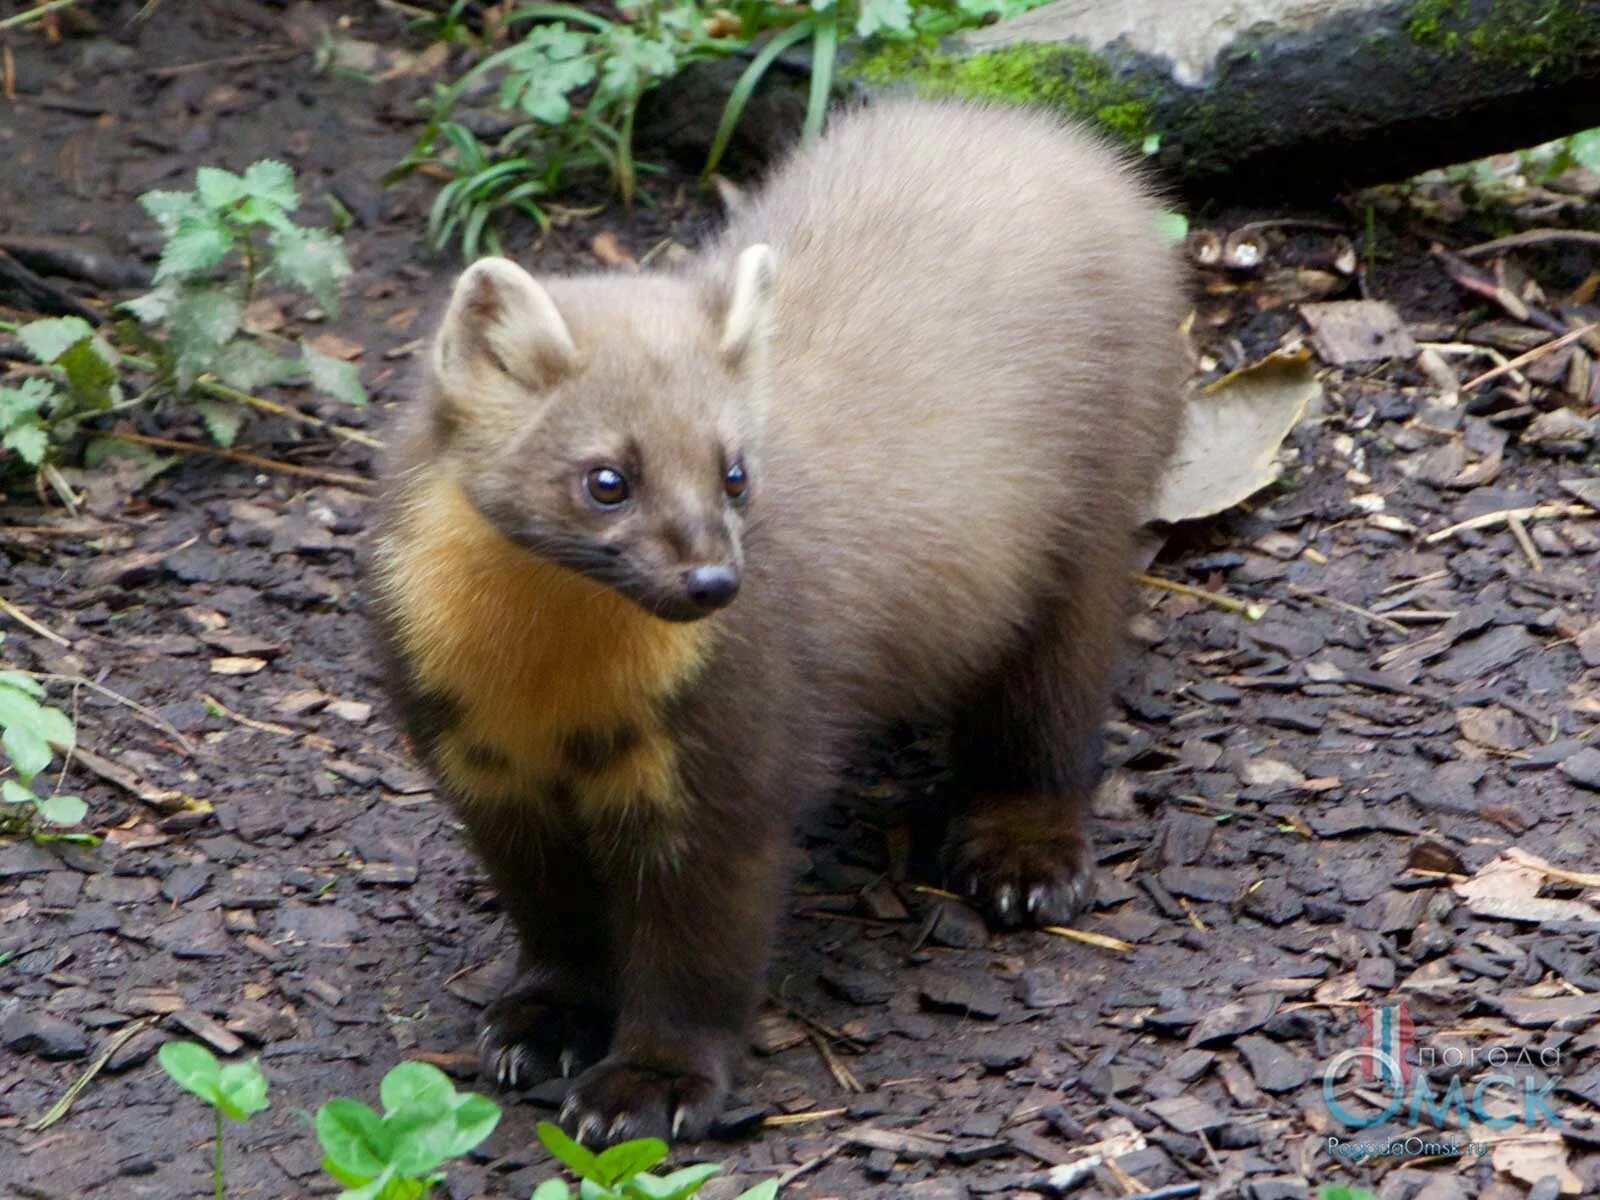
x=1380 y=792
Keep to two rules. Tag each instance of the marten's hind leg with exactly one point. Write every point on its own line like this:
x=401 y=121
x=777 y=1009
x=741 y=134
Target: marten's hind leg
x=1027 y=758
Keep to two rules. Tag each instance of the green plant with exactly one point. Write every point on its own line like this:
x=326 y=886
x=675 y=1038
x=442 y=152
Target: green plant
x=236 y=1091
x=396 y=1156
x=1331 y=1191
x=577 y=75
x=40 y=413
x=241 y=221
x=623 y=1172
x=33 y=732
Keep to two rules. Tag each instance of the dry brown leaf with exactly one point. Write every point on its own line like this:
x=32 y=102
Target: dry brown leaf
x=263 y=316
x=1353 y=331
x=1508 y=889
x=232 y=665
x=335 y=346
x=1228 y=447
x=1532 y=1157
x=610 y=251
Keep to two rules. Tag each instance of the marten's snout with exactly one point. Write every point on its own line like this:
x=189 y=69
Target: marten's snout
x=712 y=587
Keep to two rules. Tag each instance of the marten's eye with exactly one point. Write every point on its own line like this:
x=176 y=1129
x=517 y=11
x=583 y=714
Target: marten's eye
x=736 y=483
x=607 y=486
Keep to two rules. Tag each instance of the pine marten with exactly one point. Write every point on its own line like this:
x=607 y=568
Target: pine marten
x=659 y=550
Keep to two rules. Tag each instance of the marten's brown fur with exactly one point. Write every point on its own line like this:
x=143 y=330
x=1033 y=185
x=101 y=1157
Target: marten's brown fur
x=937 y=356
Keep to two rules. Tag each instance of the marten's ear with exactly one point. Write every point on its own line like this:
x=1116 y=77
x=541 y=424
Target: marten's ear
x=501 y=318
x=746 y=325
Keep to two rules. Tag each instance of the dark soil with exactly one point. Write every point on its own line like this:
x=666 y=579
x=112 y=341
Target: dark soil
x=1291 y=801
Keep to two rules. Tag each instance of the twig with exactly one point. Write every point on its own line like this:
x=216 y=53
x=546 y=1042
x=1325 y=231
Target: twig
x=801 y=1118
x=1537 y=512
x=1526 y=357
x=1581 y=878
x=23 y=619
x=1519 y=530
x=33 y=14
x=1253 y=609
x=247 y=722
x=235 y=60
x=254 y=460
x=223 y=392
x=1345 y=606
x=811 y=1164
x=841 y=1074
x=116 y=1042
x=1532 y=237
x=1098 y=940
x=152 y=717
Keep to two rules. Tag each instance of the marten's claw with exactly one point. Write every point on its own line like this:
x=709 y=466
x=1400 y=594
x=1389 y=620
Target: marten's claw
x=1020 y=876
x=617 y=1099
x=526 y=1038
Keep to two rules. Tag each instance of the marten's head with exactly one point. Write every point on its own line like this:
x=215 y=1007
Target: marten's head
x=610 y=424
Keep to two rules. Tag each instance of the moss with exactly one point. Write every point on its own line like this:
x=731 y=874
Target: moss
x=1425 y=23
x=1069 y=78
x=1530 y=36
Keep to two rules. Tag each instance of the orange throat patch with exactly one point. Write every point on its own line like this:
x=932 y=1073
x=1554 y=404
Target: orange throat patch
x=555 y=681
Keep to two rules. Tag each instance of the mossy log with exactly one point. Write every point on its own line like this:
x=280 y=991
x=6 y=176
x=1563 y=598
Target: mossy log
x=1283 y=98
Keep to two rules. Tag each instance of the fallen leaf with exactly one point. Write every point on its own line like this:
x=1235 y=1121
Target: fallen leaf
x=1530 y=1158
x=233 y=665
x=263 y=316
x=338 y=347
x=610 y=251
x=1508 y=889
x=1266 y=772
x=1227 y=450
x=1354 y=331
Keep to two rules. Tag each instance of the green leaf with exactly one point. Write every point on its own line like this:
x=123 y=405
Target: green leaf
x=627 y=1159
x=380 y=1188
x=223 y=419
x=193 y=1068
x=49 y=339
x=12 y=792
x=152 y=307
x=218 y=188
x=349 y=1178
x=29 y=753
x=1173 y=226
x=198 y=244
x=247 y=364
x=272 y=181
x=416 y=1085
x=25 y=399
x=22 y=681
x=90 y=366
x=337 y=378
x=551 y=1189
x=244 y=1089
x=880 y=16
x=767 y=1189
x=30 y=442
x=62 y=810
x=1585 y=148
x=476 y=1117
x=574 y=1157
x=201 y=320
x=681 y=1183
x=353 y=1137
x=312 y=260
x=551 y=62
x=633 y=63
x=169 y=208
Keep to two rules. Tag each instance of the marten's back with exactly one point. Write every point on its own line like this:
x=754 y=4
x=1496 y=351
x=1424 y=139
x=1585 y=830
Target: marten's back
x=976 y=379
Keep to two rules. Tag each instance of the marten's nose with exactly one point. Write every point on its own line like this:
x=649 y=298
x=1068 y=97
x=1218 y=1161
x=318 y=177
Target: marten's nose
x=713 y=586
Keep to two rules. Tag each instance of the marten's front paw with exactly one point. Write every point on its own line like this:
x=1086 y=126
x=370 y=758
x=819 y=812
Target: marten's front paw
x=1020 y=869
x=621 y=1098
x=525 y=1038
